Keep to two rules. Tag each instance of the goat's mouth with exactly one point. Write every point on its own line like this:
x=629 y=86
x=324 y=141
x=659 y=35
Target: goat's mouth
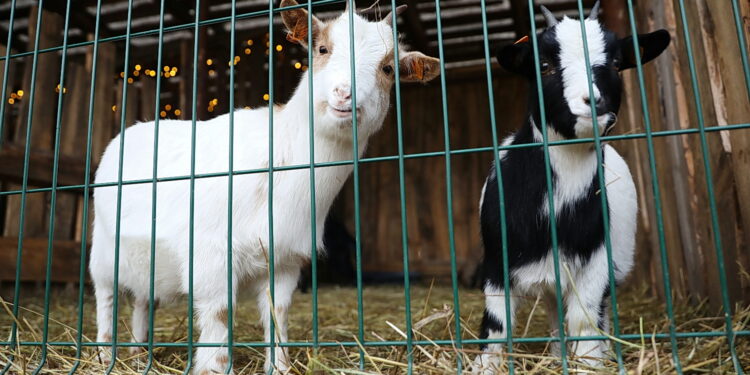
x=341 y=112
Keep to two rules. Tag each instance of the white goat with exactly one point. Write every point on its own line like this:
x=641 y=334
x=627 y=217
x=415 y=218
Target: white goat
x=374 y=51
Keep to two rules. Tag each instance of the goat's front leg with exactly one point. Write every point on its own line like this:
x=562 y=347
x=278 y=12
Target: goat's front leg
x=212 y=319
x=284 y=284
x=583 y=311
x=495 y=325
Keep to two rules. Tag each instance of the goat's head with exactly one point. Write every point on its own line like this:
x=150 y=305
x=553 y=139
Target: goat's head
x=373 y=50
x=563 y=71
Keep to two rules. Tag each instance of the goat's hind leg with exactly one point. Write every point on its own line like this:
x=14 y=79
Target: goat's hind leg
x=284 y=285
x=139 y=324
x=495 y=326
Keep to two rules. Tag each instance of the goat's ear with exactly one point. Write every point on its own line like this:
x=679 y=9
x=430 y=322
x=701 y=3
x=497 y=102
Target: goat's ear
x=418 y=67
x=651 y=46
x=295 y=21
x=514 y=57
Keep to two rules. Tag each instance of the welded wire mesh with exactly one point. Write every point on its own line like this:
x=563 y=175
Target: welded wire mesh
x=458 y=342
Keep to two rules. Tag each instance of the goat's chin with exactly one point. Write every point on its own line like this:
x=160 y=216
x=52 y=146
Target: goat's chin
x=584 y=127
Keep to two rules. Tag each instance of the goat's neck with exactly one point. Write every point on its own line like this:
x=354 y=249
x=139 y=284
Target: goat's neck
x=577 y=157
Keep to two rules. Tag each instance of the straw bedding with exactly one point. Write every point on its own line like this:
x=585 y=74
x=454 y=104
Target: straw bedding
x=384 y=308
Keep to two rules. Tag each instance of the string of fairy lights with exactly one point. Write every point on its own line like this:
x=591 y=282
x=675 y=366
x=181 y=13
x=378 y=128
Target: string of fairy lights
x=139 y=71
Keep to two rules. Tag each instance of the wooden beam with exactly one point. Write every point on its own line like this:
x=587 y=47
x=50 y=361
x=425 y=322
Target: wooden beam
x=71 y=171
x=520 y=13
x=79 y=18
x=66 y=257
x=415 y=29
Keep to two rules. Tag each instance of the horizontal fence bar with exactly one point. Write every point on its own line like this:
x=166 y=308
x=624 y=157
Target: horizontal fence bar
x=155 y=31
x=520 y=340
x=663 y=133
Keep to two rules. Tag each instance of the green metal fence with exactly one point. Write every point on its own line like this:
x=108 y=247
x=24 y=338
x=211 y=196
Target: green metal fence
x=619 y=339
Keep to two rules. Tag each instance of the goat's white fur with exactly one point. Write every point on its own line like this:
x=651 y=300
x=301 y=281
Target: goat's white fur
x=250 y=214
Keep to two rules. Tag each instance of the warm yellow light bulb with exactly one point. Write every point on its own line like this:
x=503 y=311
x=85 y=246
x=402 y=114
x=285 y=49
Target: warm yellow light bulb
x=168 y=107
x=166 y=68
x=266 y=97
x=20 y=93
x=163 y=114
x=209 y=62
x=177 y=112
x=247 y=51
x=279 y=47
x=114 y=108
x=137 y=66
x=297 y=66
x=249 y=42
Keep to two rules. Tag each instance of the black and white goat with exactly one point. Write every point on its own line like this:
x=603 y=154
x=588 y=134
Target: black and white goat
x=578 y=206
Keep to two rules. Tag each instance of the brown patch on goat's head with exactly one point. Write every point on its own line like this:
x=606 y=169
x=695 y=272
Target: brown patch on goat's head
x=295 y=21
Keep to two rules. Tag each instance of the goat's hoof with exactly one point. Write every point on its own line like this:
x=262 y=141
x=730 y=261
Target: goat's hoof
x=486 y=364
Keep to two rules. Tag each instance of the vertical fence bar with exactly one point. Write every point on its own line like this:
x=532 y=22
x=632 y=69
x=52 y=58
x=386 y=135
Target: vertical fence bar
x=25 y=182
x=602 y=189
x=118 y=215
x=191 y=232
x=86 y=191
x=53 y=192
x=550 y=192
x=741 y=41
x=313 y=213
x=402 y=191
x=711 y=197
x=6 y=69
x=271 y=262
x=230 y=193
x=350 y=6
x=154 y=176
x=656 y=191
x=500 y=187
x=448 y=181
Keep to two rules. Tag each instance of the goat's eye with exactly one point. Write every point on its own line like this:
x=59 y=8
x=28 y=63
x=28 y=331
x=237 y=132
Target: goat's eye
x=323 y=50
x=387 y=69
x=546 y=68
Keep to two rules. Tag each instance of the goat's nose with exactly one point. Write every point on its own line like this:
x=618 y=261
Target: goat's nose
x=343 y=92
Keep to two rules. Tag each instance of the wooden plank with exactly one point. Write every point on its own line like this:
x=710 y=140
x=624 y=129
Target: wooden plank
x=731 y=103
x=105 y=121
x=520 y=14
x=43 y=124
x=66 y=257
x=70 y=169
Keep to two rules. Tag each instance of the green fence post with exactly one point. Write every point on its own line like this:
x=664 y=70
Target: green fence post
x=550 y=193
x=53 y=195
x=24 y=184
x=500 y=189
x=657 y=194
x=355 y=163
x=449 y=184
x=86 y=192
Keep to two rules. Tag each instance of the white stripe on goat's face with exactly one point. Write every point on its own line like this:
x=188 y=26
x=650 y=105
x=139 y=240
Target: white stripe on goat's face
x=372 y=48
x=572 y=60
